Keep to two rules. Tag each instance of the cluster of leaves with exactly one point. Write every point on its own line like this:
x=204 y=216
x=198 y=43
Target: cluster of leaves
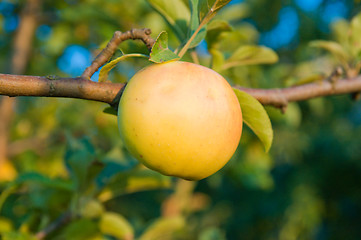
x=347 y=47
x=82 y=196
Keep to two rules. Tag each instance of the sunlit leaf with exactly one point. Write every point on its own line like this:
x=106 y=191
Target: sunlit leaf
x=356 y=34
x=255 y=117
x=17 y=236
x=249 y=55
x=217 y=59
x=160 y=52
x=217 y=5
x=214 y=29
x=91 y=208
x=236 y=12
x=116 y=225
x=341 y=30
x=134 y=181
x=79 y=230
x=194 y=24
x=104 y=71
x=204 y=7
x=6 y=225
x=334 y=48
x=176 y=13
x=163 y=228
x=212 y=233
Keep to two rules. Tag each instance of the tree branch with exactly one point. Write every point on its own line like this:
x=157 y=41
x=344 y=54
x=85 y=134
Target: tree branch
x=19 y=85
x=109 y=50
x=82 y=88
x=279 y=97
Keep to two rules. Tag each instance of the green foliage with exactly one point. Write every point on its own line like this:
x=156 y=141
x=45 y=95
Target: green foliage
x=194 y=24
x=163 y=228
x=248 y=55
x=256 y=117
x=176 y=13
x=116 y=225
x=79 y=230
x=17 y=236
x=104 y=71
x=347 y=49
x=160 y=52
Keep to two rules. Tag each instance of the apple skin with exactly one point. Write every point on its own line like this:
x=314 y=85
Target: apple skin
x=180 y=119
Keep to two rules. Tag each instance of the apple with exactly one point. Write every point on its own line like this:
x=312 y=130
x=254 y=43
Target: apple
x=180 y=119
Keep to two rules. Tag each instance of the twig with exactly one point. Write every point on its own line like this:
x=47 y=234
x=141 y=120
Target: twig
x=109 y=50
x=62 y=220
x=19 y=85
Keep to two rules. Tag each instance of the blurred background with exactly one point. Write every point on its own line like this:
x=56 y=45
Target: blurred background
x=307 y=187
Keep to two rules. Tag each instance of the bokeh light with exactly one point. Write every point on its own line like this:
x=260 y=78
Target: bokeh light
x=284 y=32
x=74 y=60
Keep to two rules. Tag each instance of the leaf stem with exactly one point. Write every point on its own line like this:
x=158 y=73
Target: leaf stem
x=188 y=43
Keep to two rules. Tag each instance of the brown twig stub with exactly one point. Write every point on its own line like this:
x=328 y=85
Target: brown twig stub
x=109 y=50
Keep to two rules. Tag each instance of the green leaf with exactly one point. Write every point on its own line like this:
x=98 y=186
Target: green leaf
x=194 y=24
x=249 y=54
x=104 y=71
x=116 y=225
x=33 y=177
x=334 y=48
x=236 y=13
x=340 y=31
x=212 y=233
x=218 y=4
x=255 y=117
x=134 y=181
x=79 y=230
x=203 y=8
x=17 y=236
x=176 y=13
x=91 y=208
x=214 y=29
x=163 y=228
x=217 y=59
x=79 y=157
x=6 y=225
x=160 y=52
x=356 y=35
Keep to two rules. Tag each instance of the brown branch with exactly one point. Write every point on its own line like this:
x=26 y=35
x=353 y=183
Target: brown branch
x=109 y=50
x=19 y=85
x=280 y=97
